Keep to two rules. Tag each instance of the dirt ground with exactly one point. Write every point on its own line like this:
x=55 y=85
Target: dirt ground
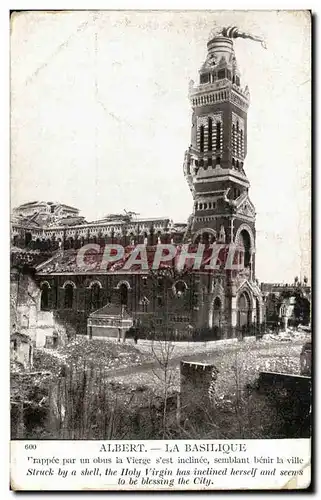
x=240 y=359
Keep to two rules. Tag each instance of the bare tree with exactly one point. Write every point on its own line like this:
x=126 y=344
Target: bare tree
x=162 y=351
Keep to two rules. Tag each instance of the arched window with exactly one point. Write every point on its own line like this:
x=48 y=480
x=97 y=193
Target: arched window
x=244 y=310
x=243 y=301
x=44 y=296
x=179 y=288
x=144 y=304
x=95 y=296
x=206 y=238
x=221 y=74
x=238 y=144
x=241 y=142
x=233 y=139
x=210 y=132
x=202 y=138
x=205 y=78
x=160 y=301
x=69 y=296
x=123 y=290
x=245 y=244
x=217 y=309
x=209 y=162
x=218 y=135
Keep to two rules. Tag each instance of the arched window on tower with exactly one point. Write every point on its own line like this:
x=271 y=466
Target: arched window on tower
x=245 y=247
x=221 y=74
x=233 y=139
x=205 y=78
x=218 y=135
x=242 y=143
x=210 y=132
x=237 y=139
x=202 y=138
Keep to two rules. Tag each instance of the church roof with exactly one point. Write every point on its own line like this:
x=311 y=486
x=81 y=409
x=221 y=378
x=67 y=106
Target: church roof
x=110 y=310
x=65 y=262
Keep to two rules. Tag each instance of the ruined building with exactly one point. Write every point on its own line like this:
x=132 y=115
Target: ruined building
x=223 y=302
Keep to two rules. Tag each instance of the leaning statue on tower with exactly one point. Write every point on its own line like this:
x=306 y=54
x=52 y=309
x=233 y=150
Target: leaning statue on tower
x=233 y=32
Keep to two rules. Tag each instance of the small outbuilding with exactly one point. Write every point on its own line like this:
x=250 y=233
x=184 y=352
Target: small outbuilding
x=109 y=321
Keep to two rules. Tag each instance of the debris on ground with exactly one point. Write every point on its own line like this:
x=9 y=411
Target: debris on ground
x=104 y=355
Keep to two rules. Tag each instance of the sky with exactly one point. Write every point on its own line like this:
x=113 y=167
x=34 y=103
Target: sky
x=100 y=117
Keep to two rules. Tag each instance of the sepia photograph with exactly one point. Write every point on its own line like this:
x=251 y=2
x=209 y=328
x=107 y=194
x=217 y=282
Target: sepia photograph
x=160 y=232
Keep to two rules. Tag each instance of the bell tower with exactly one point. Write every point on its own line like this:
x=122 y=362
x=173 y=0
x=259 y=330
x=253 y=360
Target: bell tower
x=214 y=167
x=214 y=162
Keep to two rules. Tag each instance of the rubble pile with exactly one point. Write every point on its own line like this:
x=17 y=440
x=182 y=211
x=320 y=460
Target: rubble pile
x=102 y=354
x=291 y=335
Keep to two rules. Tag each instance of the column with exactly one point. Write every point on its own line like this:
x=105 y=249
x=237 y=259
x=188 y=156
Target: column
x=251 y=266
x=233 y=312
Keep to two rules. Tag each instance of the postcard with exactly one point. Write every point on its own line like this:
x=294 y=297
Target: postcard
x=160 y=258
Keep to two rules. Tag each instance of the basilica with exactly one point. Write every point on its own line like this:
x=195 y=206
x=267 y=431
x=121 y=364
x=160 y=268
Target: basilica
x=46 y=236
